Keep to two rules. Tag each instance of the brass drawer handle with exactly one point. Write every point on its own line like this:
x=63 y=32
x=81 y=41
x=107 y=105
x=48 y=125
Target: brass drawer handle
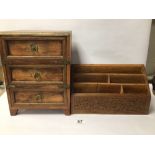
x=34 y=48
x=37 y=76
x=38 y=98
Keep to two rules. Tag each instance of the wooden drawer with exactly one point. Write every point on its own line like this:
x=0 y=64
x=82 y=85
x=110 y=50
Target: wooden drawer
x=37 y=94
x=38 y=97
x=37 y=73
x=35 y=47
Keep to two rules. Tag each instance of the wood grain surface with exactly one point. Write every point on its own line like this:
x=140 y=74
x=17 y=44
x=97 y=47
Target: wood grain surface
x=41 y=97
x=44 y=48
x=37 y=74
x=110 y=89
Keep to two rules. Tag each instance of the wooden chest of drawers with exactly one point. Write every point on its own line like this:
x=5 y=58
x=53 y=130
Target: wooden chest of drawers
x=37 y=69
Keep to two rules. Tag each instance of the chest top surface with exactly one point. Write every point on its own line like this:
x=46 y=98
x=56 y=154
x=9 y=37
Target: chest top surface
x=34 y=33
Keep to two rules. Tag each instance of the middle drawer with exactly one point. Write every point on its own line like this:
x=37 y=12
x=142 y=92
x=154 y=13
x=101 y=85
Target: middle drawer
x=37 y=73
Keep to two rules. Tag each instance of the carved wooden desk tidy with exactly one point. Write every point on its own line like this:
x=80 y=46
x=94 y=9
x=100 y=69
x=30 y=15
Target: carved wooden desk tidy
x=110 y=89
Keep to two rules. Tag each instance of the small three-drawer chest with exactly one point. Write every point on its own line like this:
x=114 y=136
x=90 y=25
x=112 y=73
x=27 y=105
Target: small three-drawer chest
x=37 y=69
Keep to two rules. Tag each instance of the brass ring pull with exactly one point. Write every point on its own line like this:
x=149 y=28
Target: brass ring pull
x=38 y=98
x=37 y=76
x=34 y=48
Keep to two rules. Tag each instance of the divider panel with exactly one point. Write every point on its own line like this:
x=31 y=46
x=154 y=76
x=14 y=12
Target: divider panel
x=96 y=88
x=109 y=68
x=90 y=77
x=127 y=78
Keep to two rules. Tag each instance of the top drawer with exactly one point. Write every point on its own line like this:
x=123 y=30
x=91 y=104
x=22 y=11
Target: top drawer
x=36 y=47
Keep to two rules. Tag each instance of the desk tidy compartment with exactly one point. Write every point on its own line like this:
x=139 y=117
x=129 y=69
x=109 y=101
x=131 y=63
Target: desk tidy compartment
x=109 y=89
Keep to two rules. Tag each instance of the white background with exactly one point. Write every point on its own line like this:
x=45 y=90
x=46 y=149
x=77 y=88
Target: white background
x=97 y=41
x=49 y=9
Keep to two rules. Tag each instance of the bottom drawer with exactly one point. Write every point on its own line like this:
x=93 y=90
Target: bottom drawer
x=38 y=97
x=33 y=96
